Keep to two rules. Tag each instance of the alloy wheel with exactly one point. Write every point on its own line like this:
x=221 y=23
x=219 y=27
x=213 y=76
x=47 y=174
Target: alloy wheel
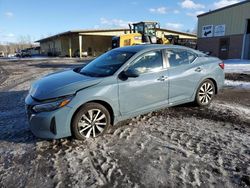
x=205 y=93
x=92 y=123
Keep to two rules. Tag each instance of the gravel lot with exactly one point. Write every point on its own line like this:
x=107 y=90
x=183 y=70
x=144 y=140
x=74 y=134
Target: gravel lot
x=183 y=146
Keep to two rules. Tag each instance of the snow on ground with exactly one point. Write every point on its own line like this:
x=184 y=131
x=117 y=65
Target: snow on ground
x=237 y=66
x=4 y=59
x=237 y=73
x=237 y=84
x=238 y=110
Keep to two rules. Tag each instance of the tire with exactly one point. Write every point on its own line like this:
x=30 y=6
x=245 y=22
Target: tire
x=205 y=93
x=91 y=121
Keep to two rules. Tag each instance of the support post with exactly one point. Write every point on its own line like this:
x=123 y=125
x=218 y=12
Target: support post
x=70 y=48
x=80 y=46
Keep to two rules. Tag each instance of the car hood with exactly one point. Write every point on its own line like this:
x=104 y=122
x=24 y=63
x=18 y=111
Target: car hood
x=61 y=84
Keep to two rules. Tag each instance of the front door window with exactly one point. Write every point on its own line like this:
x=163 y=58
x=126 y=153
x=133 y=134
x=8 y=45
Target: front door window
x=149 y=62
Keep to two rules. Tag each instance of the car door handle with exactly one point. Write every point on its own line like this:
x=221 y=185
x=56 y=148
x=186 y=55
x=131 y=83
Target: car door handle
x=198 y=69
x=162 y=78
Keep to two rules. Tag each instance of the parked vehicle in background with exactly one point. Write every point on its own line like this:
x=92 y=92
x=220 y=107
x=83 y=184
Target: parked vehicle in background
x=77 y=54
x=118 y=85
x=23 y=53
x=1 y=54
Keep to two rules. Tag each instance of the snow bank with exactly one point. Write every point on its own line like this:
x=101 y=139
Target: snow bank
x=237 y=66
x=237 y=84
x=240 y=110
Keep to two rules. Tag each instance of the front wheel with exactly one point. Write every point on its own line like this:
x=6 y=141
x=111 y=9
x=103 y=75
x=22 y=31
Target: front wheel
x=91 y=121
x=205 y=93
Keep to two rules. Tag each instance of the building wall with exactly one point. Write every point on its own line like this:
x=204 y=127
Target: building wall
x=51 y=47
x=96 y=45
x=65 y=40
x=235 y=48
x=234 y=18
x=65 y=46
x=235 y=21
x=213 y=45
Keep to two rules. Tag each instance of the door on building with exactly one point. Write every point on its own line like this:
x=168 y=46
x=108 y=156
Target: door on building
x=224 y=48
x=246 y=53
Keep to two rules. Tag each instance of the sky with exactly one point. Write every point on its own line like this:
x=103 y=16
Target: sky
x=36 y=19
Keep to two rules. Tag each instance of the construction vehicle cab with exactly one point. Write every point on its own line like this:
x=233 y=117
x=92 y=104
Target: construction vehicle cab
x=147 y=30
x=140 y=33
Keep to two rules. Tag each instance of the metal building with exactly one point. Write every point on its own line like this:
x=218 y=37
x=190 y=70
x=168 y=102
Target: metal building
x=70 y=43
x=91 y=42
x=225 y=32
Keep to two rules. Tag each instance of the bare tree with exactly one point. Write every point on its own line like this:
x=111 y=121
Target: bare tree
x=23 y=42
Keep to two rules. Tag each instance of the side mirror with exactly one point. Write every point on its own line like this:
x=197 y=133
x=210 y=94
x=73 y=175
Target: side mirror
x=129 y=73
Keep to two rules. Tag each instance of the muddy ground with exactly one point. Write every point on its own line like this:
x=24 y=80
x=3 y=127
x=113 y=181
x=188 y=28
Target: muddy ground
x=182 y=146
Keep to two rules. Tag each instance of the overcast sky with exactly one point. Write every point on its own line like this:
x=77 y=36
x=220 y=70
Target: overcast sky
x=40 y=18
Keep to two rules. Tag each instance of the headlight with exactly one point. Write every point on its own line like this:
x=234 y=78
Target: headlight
x=50 y=106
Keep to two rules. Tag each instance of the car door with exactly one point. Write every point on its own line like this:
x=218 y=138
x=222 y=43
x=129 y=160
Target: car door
x=147 y=91
x=184 y=74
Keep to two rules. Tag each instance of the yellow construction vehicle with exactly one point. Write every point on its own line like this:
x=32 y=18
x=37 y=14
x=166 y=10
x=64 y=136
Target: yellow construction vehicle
x=140 y=33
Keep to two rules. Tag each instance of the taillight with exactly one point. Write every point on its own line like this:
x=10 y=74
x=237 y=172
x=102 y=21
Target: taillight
x=222 y=65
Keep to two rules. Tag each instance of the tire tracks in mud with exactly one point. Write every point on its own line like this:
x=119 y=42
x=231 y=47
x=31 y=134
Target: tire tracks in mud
x=189 y=151
x=216 y=154
x=217 y=112
x=10 y=86
x=21 y=81
x=105 y=165
x=3 y=75
x=32 y=73
x=226 y=149
x=44 y=164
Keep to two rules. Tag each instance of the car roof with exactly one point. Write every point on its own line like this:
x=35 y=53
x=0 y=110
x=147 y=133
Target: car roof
x=148 y=47
x=138 y=48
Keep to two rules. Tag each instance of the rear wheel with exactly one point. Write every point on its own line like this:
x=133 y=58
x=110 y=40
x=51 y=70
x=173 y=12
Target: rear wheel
x=91 y=121
x=205 y=93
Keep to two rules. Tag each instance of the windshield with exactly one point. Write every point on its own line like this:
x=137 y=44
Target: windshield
x=106 y=64
x=139 y=28
x=150 y=29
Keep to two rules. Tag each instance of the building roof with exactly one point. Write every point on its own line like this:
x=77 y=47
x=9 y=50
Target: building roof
x=230 y=6
x=86 y=31
x=82 y=31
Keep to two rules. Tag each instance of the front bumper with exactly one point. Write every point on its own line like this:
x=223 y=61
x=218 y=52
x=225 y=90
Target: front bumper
x=50 y=125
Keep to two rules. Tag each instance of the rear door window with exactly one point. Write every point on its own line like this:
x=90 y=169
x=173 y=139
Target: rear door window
x=178 y=57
